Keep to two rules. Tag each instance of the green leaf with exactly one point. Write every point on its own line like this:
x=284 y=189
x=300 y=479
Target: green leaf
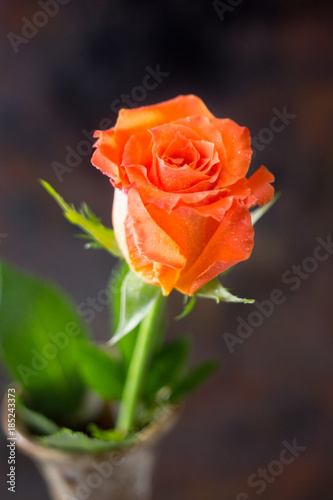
x=78 y=442
x=188 y=307
x=111 y=435
x=192 y=380
x=136 y=299
x=86 y=220
x=259 y=212
x=35 y=421
x=127 y=343
x=215 y=290
x=101 y=373
x=166 y=366
x=39 y=328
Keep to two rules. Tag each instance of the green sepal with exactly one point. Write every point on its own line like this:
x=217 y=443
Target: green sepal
x=101 y=236
x=125 y=344
x=135 y=301
x=260 y=211
x=215 y=290
x=188 y=306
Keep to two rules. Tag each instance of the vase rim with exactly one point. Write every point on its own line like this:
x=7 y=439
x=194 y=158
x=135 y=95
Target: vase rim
x=164 y=420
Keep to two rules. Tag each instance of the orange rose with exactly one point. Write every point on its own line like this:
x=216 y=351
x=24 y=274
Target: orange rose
x=181 y=207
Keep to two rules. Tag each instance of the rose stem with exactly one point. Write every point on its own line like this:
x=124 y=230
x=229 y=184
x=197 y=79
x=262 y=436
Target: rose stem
x=137 y=368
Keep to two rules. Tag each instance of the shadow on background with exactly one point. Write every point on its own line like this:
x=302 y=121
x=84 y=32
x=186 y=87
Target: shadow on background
x=251 y=62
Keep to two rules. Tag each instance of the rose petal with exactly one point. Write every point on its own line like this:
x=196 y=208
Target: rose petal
x=208 y=155
x=119 y=214
x=152 y=242
x=261 y=190
x=152 y=272
x=177 y=179
x=138 y=151
x=107 y=157
x=132 y=121
x=217 y=209
x=166 y=277
x=232 y=242
x=168 y=201
x=176 y=142
x=206 y=130
x=237 y=143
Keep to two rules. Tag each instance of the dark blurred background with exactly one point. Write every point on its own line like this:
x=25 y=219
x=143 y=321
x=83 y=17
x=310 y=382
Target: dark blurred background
x=248 y=61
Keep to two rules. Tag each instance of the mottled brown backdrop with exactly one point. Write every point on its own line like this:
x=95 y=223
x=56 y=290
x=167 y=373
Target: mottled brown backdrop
x=248 y=60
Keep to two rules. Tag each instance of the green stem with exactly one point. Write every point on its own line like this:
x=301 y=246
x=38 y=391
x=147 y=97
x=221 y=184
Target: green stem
x=137 y=368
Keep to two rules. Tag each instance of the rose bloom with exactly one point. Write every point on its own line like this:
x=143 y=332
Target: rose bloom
x=181 y=205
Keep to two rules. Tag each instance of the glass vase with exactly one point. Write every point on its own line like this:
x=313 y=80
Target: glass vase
x=113 y=475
